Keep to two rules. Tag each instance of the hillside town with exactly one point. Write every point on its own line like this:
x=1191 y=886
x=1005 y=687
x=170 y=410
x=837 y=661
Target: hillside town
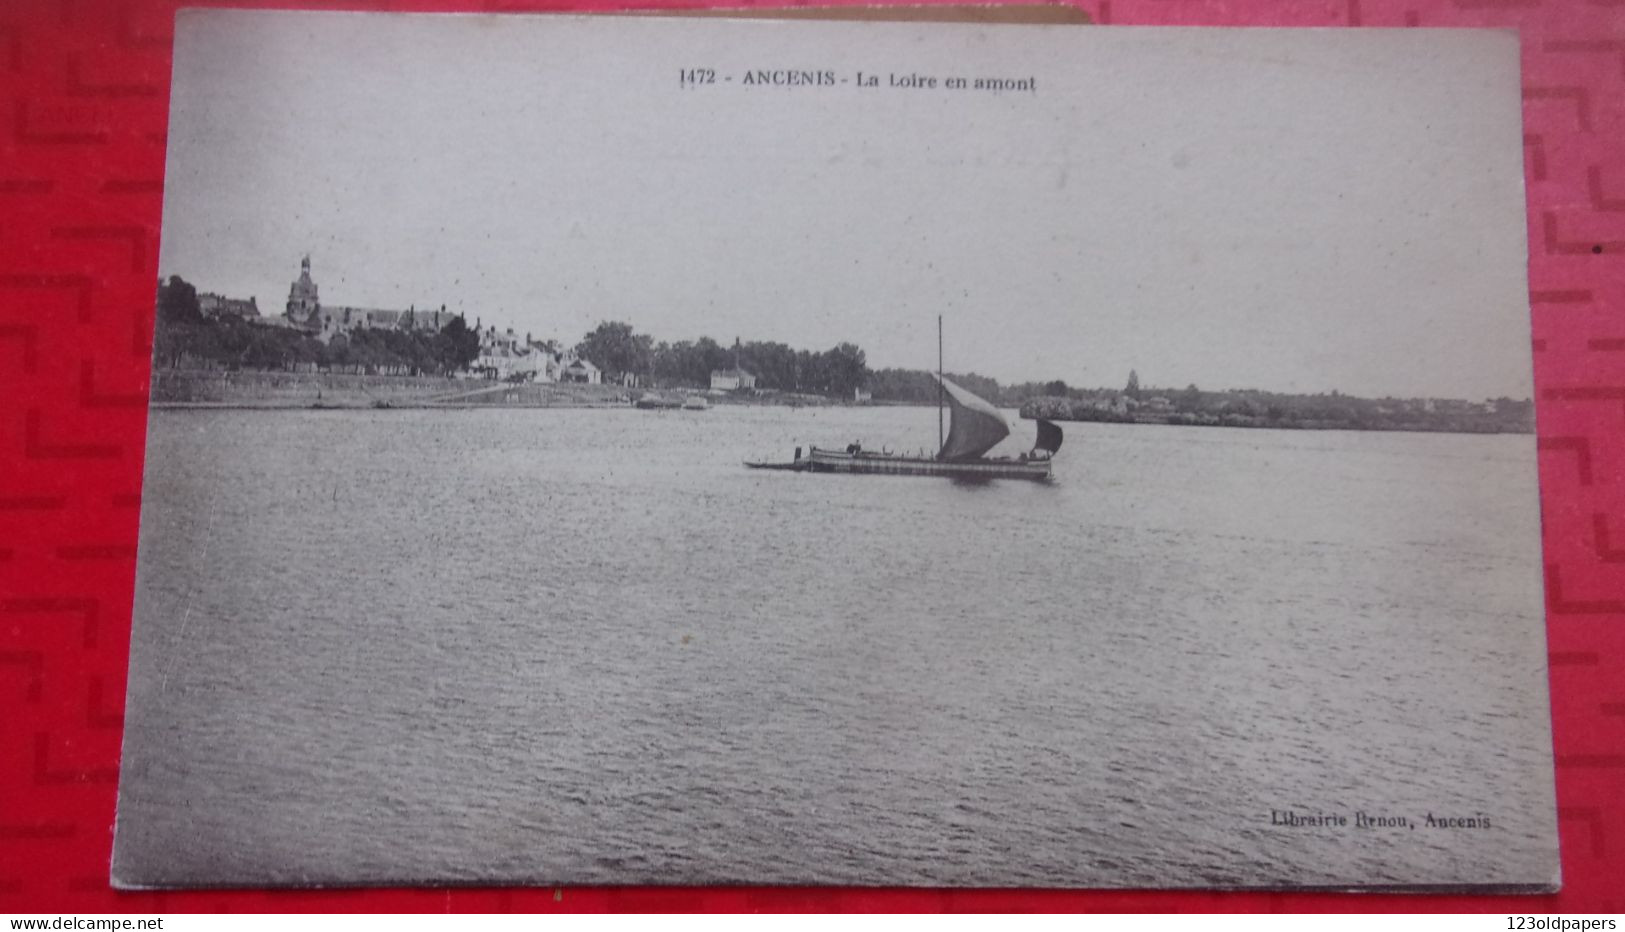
x=500 y=354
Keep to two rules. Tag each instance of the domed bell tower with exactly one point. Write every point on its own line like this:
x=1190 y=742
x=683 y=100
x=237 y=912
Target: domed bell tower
x=303 y=303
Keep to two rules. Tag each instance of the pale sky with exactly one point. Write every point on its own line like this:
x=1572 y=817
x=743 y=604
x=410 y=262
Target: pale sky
x=1285 y=210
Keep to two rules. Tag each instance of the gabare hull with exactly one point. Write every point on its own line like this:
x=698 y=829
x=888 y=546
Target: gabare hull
x=824 y=461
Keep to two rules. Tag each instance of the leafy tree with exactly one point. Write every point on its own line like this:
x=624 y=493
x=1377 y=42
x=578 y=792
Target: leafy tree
x=914 y=385
x=178 y=303
x=688 y=362
x=845 y=369
x=456 y=346
x=709 y=356
x=170 y=343
x=774 y=365
x=1133 y=388
x=614 y=348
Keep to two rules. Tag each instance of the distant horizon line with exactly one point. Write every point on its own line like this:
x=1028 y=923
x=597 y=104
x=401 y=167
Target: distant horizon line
x=1003 y=383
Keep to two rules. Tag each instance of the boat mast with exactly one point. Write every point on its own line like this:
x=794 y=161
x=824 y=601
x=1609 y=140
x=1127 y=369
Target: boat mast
x=939 y=385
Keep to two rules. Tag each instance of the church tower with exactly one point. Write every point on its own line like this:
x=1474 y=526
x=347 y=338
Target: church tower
x=302 y=302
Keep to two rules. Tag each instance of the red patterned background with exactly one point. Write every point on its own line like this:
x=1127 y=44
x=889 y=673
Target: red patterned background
x=83 y=106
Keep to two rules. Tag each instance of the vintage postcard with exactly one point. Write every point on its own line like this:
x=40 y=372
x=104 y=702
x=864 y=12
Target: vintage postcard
x=652 y=451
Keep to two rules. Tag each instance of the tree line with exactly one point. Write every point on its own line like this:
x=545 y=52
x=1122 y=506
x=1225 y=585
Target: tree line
x=619 y=350
x=616 y=348
x=1255 y=408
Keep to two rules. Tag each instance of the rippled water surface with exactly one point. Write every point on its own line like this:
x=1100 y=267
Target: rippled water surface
x=587 y=646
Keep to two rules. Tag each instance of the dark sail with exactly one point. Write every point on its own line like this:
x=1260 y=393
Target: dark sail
x=1049 y=436
x=975 y=426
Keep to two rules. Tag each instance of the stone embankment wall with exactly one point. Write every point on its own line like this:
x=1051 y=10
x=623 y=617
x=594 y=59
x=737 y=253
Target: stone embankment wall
x=208 y=388
x=295 y=389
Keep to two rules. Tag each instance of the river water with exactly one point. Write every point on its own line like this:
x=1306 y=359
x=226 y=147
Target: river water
x=587 y=646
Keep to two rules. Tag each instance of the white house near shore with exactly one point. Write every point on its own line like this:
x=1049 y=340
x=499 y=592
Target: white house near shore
x=581 y=371
x=507 y=356
x=731 y=380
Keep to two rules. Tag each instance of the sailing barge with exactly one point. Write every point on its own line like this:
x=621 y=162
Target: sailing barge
x=975 y=428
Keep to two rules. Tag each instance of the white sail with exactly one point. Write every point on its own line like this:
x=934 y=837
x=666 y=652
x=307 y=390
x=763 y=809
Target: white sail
x=975 y=426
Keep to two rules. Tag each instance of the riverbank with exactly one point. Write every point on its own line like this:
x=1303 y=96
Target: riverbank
x=269 y=390
x=250 y=390
x=1255 y=423
x=173 y=388
x=1276 y=412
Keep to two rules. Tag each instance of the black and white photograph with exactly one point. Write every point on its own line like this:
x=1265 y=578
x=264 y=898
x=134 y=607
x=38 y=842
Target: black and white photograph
x=691 y=451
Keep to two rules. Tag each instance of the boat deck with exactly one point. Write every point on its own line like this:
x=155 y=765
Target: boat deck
x=880 y=464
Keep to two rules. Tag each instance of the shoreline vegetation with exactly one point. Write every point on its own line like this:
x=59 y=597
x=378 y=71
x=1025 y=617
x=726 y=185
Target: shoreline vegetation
x=1256 y=409
x=237 y=359
x=255 y=389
